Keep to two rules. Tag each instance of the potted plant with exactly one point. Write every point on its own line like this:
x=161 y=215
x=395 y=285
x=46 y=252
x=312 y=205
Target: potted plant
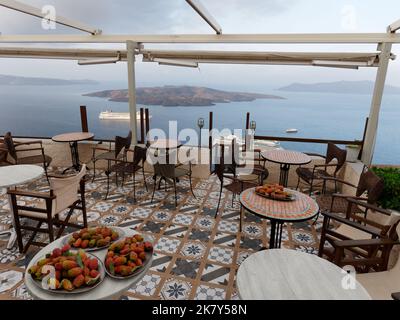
x=390 y=198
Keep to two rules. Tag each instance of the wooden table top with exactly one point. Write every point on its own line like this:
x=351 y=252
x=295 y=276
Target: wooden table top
x=282 y=274
x=73 y=137
x=301 y=209
x=286 y=157
x=19 y=174
x=109 y=289
x=165 y=144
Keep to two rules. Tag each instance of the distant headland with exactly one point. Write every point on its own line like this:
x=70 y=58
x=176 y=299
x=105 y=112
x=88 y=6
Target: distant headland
x=7 y=80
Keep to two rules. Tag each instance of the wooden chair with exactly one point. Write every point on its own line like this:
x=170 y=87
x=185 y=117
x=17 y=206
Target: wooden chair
x=384 y=285
x=3 y=154
x=315 y=174
x=125 y=167
x=369 y=189
x=15 y=150
x=109 y=154
x=66 y=192
x=364 y=242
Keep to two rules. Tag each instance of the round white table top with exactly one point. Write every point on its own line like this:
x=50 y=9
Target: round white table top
x=282 y=274
x=109 y=289
x=19 y=174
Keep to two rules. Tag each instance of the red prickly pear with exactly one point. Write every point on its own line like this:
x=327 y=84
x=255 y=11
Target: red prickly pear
x=79 y=281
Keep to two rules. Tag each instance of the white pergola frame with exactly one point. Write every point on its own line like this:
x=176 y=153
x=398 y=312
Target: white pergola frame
x=135 y=46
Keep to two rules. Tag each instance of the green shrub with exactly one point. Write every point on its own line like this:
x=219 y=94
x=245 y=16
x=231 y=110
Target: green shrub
x=390 y=198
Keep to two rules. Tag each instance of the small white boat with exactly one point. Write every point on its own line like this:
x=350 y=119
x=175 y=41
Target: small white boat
x=110 y=115
x=266 y=143
x=292 y=130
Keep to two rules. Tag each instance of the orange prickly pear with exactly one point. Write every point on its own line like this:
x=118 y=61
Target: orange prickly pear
x=119 y=245
x=94 y=273
x=86 y=271
x=117 y=269
x=93 y=264
x=114 y=235
x=42 y=262
x=133 y=256
x=142 y=255
x=77 y=243
x=33 y=269
x=139 y=262
x=148 y=246
x=68 y=264
x=138 y=237
x=125 y=270
x=84 y=244
x=107 y=239
x=131 y=264
x=66 y=285
x=128 y=241
x=118 y=261
x=78 y=281
x=110 y=254
x=75 y=235
x=74 y=272
x=86 y=236
x=125 y=251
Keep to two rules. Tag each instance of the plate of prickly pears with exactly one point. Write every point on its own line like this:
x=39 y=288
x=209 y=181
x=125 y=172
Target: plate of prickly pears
x=66 y=270
x=92 y=239
x=128 y=257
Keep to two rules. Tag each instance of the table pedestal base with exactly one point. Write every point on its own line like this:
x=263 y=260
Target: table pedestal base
x=284 y=174
x=275 y=238
x=76 y=165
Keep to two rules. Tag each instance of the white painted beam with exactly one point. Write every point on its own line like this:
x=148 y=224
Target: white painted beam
x=33 y=11
x=203 y=12
x=372 y=129
x=353 y=38
x=176 y=62
x=131 y=46
x=394 y=26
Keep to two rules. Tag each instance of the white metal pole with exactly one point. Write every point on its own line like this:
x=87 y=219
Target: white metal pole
x=370 y=138
x=132 y=88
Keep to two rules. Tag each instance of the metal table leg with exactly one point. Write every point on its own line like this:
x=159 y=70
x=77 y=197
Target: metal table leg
x=275 y=238
x=284 y=174
x=76 y=165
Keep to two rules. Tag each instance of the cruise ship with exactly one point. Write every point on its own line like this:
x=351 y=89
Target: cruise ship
x=110 y=115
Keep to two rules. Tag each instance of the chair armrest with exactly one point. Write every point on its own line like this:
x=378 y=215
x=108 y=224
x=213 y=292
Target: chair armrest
x=28 y=143
x=24 y=193
x=396 y=296
x=325 y=165
x=315 y=154
x=373 y=231
x=344 y=196
x=339 y=180
x=30 y=149
x=369 y=206
x=364 y=243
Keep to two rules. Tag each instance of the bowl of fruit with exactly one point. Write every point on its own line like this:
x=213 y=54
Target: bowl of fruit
x=275 y=192
x=92 y=239
x=65 y=270
x=128 y=257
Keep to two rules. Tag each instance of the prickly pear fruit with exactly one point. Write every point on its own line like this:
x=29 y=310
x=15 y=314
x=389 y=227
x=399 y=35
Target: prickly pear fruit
x=93 y=264
x=125 y=270
x=74 y=272
x=77 y=243
x=59 y=266
x=138 y=237
x=65 y=248
x=56 y=253
x=84 y=244
x=114 y=235
x=69 y=264
x=148 y=246
x=118 y=261
x=86 y=236
x=79 y=281
x=133 y=256
x=67 y=285
x=101 y=243
x=92 y=243
x=94 y=273
x=142 y=255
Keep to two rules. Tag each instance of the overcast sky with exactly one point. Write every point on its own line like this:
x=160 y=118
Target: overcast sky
x=235 y=16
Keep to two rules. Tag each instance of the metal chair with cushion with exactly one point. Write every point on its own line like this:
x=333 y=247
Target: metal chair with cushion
x=66 y=193
x=320 y=171
x=15 y=151
x=109 y=154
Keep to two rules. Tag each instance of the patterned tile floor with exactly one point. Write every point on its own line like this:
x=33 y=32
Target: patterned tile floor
x=196 y=255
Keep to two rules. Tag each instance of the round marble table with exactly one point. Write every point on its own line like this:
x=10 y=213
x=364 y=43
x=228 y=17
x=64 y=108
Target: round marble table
x=165 y=144
x=11 y=176
x=278 y=212
x=73 y=138
x=109 y=289
x=285 y=158
x=283 y=274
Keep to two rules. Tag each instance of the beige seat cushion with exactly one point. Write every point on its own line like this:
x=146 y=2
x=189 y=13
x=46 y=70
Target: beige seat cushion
x=32 y=214
x=352 y=233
